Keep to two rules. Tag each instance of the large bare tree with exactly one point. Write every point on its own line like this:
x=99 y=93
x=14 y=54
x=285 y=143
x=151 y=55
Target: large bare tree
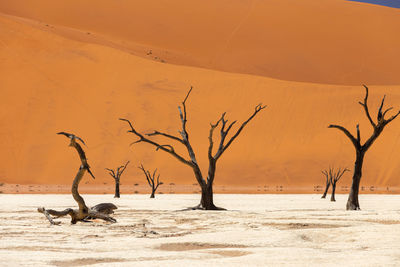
x=206 y=184
x=83 y=213
x=361 y=149
x=116 y=174
x=151 y=180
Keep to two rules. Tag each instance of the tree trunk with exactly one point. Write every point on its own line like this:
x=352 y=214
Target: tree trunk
x=83 y=209
x=333 y=192
x=352 y=202
x=326 y=190
x=207 y=201
x=153 y=190
x=116 y=195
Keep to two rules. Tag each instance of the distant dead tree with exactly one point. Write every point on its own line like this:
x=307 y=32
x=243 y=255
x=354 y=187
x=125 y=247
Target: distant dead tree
x=334 y=178
x=361 y=149
x=84 y=214
x=327 y=183
x=151 y=180
x=116 y=174
x=206 y=185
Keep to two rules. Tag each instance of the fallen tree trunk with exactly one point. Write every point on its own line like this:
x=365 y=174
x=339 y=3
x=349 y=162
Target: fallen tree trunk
x=83 y=213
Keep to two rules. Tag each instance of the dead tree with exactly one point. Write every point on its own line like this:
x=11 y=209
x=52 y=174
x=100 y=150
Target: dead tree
x=328 y=183
x=83 y=213
x=361 y=149
x=334 y=178
x=116 y=174
x=206 y=185
x=151 y=180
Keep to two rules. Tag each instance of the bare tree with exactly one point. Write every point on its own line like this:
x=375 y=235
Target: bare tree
x=151 y=180
x=361 y=149
x=328 y=183
x=206 y=185
x=116 y=174
x=334 y=178
x=84 y=214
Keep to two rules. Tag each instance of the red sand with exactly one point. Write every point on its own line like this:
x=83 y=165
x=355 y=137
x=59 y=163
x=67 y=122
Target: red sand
x=59 y=79
x=324 y=41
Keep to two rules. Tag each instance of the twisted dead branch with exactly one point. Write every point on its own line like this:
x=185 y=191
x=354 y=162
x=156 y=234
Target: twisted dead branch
x=83 y=213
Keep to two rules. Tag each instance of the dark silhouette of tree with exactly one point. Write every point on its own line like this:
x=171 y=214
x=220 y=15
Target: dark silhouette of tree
x=361 y=149
x=206 y=185
x=334 y=178
x=328 y=183
x=151 y=180
x=116 y=174
x=83 y=214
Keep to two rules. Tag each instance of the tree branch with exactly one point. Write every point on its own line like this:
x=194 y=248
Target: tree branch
x=257 y=109
x=347 y=133
x=166 y=135
x=365 y=105
x=210 y=137
x=160 y=147
x=111 y=172
x=340 y=173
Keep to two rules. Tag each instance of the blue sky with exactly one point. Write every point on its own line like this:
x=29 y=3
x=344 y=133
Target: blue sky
x=389 y=3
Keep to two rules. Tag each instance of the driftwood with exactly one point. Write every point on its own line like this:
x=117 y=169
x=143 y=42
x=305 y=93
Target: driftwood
x=116 y=174
x=151 y=180
x=83 y=213
x=206 y=184
x=361 y=149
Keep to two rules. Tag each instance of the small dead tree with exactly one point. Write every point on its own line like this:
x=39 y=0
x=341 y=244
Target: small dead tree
x=151 y=180
x=206 y=185
x=361 y=149
x=83 y=214
x=334 y=178
x=328 y=183
x=116 y=174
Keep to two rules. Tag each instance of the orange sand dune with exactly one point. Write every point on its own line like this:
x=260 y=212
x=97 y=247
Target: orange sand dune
x=324 y=41
x=50 y=83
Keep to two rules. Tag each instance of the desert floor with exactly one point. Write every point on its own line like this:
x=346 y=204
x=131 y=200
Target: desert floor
x=258 y=230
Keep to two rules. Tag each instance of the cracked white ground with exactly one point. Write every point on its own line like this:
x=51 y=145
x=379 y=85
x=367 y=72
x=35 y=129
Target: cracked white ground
x=257 y=230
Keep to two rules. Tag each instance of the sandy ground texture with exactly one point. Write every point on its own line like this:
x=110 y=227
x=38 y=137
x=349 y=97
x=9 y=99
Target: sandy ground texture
x=258 y=230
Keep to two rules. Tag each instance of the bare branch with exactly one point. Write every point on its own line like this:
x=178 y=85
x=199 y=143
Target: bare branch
x=392 y=118
x=210 y=137
x=44 y=211
x=340 y=174
x=380 y=116
x=365 y=105
x=190 y=90
x=169 y=146
x=111 y=172
x=257 y=109
x=160 y=147
x=347 y=133
x=166 y=135
x=384 y=113
x=183 y=116
x=123 y=168
x=145 y=173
